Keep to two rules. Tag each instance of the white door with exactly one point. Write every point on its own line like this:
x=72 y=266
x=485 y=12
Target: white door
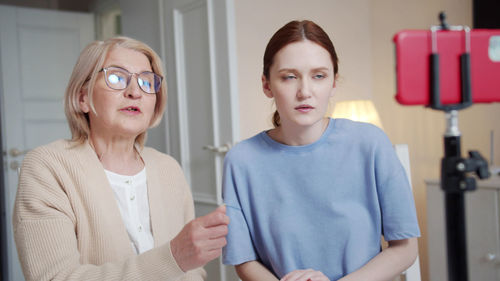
x=38 y=49
x=202 y=111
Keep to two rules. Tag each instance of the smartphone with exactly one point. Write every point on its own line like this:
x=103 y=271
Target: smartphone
x=413 y=50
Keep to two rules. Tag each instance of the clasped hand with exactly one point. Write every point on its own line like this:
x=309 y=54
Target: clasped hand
x=201 y=240
x=305 y=275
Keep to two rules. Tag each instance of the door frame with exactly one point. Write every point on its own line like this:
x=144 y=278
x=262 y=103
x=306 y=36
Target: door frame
x=224 y=87
x=3 y=212
x=223 y=95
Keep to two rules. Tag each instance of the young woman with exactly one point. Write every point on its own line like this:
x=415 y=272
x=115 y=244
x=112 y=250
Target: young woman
x=101 y=206
x=310 y=199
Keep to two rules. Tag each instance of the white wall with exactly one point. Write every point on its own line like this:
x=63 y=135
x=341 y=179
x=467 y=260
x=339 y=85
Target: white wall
x=346 y=22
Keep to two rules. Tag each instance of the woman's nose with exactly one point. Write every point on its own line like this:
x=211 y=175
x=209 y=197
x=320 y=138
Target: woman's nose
x=133 y=90
x=304 y=91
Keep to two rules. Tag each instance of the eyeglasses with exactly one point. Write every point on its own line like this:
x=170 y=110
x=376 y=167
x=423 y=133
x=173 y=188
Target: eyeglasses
x=118 y=78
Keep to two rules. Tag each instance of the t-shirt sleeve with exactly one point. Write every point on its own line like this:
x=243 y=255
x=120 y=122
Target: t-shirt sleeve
x=399 y=218
x=239 y=247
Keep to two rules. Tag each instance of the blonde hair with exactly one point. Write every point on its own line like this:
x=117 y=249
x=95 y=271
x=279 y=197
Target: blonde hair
x=84 y=75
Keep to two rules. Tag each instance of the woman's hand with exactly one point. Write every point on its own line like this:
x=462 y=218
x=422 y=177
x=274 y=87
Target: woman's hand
x=201 y=240
x=305 y=275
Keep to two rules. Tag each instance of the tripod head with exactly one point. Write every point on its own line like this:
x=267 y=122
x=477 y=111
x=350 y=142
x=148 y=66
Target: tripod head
x=455 y=172
x=476 y=163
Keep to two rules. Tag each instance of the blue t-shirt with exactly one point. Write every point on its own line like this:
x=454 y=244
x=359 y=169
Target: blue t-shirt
x=322 y=206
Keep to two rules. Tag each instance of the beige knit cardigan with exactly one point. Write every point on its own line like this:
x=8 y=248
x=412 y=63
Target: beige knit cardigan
x=67 y=225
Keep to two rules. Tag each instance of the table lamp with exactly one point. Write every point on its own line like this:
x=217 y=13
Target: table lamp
x=357 y=110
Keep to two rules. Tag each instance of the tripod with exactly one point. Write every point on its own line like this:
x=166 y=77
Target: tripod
x=454 y=168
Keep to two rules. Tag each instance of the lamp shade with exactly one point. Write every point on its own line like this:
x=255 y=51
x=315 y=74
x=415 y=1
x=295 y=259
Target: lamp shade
x=357 y=110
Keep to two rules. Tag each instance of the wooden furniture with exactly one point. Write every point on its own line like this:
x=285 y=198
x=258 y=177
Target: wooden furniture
x=482 y=209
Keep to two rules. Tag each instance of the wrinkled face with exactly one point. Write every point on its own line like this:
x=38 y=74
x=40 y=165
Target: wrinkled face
x=301 y=81
x=127 y=112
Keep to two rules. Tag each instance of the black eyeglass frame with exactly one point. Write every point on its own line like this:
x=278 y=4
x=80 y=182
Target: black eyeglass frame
x=156 y=90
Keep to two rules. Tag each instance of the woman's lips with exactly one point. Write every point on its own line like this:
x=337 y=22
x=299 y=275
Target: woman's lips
x=131 y=110
x=304 y=108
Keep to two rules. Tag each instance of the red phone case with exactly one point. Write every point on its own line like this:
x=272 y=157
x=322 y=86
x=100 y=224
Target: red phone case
x=413 y=48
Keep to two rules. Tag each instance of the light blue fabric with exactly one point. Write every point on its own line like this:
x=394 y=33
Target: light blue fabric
x=322 y=206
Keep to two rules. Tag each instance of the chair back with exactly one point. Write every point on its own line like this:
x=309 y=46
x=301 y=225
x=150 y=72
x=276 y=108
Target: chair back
x=413 y=272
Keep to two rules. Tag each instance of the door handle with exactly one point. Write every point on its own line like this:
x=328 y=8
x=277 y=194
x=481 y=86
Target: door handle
x=15 y=152
x=14 y=165
x=491 y=258
x=218 y=149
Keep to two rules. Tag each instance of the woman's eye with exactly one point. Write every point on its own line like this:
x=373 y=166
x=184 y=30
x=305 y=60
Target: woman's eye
x=288 y=77
x=319 y=76
x=115 y=78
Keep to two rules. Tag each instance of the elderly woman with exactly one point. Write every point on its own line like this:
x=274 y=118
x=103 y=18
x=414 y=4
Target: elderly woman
x=101 y=206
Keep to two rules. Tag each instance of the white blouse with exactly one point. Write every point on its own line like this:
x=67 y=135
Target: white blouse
x=131 y=194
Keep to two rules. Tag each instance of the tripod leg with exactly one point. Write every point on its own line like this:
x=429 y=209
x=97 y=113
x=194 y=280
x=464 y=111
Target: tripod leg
x=456 y=237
